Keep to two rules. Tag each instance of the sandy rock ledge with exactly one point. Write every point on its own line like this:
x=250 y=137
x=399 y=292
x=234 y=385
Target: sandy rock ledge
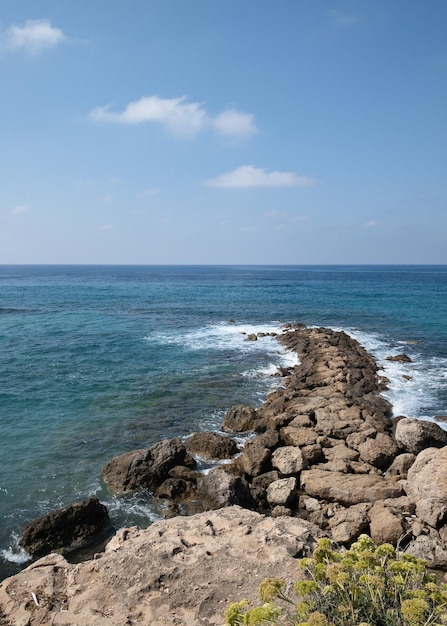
x=182 y=571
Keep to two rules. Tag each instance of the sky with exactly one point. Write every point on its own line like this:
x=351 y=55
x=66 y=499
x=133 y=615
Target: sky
x=223 y=132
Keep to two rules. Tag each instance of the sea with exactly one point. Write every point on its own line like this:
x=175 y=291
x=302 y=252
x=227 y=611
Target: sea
x=99 y=360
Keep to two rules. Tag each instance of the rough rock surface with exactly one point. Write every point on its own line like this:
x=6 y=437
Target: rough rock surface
x=183 y=572
x=212 y=446
x=414 y=435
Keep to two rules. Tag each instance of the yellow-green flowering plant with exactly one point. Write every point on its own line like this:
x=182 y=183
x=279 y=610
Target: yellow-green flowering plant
x=363 y=586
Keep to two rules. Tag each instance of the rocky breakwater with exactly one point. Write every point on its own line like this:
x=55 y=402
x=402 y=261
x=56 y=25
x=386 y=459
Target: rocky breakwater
x=325 y=458
x=326 y=449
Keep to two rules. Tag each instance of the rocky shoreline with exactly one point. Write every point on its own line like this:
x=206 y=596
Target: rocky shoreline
x=326 y=458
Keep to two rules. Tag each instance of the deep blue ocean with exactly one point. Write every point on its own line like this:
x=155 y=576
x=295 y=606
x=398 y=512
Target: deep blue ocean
x=99 y=360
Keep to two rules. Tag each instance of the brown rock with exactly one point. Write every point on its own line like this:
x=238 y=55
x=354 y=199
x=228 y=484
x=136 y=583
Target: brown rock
x=240 y=418
x=348 y=489
x=379 y=452
x=414 y=435
x=298 y=436
x=212 y=446
x=282 y=492
x=288 y=460
x=399 y=358
x=401 y=465
x=146 y=468
x=219 y=489
x=66 y=529
x=386 y=524
x=347 y=524
x=427 y=486
x=180 y=571
x=431 y=549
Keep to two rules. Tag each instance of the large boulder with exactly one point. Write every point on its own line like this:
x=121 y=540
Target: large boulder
x=348 y=489
x=240 y=418
x=211 y=446
x=414 y=435
x=219 y=489
x=347 y=524
x=65 y=530
x=380 y=451
x=282 y=492
x=386 y=524
x=288 y=460
x=427 y=485
x=147 y=468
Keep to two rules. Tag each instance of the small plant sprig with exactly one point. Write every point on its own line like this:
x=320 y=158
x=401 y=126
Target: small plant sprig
x=364 y=586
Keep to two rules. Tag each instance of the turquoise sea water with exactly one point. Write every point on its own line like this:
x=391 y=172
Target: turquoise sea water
x=98 y=360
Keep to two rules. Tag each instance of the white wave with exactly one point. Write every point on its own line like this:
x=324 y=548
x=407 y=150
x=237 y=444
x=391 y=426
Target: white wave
x=14 y=553
x=413 y=388
x=222 y=336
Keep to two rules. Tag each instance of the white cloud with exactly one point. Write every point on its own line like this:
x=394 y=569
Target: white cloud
x=343 y=19
x=20 y=208
x=251 y=176
x=33 y=36
x=236 y=123
x=178 y=115
x=148 y=193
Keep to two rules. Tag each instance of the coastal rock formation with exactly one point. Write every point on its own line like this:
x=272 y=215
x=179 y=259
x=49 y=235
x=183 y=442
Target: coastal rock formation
x=146 y=468
x=325 y=457
x=178 y=572
x=66 y=529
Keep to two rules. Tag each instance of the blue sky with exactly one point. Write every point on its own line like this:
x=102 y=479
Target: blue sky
x=223 y=131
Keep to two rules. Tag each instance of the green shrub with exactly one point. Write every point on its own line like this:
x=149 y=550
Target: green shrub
x=363 y=586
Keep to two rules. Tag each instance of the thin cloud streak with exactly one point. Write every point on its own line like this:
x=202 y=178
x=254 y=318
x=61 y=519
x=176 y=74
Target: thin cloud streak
x=249 y=176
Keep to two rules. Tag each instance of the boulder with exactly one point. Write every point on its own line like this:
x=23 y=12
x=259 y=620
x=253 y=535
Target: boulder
x=347 y=524
x=219 y=489
x=378 y=452
x=282 y=492
x=348 y=489
x=288 y=460
x=386 y=524
x=427 y=486
x=254 y=460
x=211 y=446
x=401 y=465
x=146 y=468
x=65 y=530
x=431 y=549
x=240 y=418
x=399 y=358
x=414 y=435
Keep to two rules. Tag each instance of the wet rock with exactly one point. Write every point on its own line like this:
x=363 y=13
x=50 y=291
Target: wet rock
x=240 y=418
x=66 y=529
x=211 y=446
x=146 y=468
x=399 y=358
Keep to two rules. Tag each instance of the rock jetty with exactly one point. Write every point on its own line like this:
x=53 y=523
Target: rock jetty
x=326 y=458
